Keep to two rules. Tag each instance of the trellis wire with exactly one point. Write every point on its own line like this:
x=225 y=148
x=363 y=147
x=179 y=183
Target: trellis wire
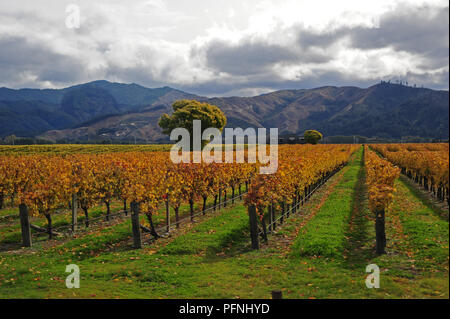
x=56 y=229
x=269 y=226
x=196 y=214
x=121 y=212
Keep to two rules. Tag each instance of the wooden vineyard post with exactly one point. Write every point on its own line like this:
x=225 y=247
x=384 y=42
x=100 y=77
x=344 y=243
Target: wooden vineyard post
x=225 y=198
x=74 y=212
x=191 y=209
x=277 y=294
x=269 y=212
x=25 y=225
x=295 y=204
x=272 y=211
x=253 y=227
x=137 y=242
x=380 y=232
x=167 y=214
x=264 y=226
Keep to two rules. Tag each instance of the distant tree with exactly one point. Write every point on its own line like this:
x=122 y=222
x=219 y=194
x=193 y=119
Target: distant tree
x=43 y=141
x=186 y=111
x=24 y=141
x=10 y=139
x=312 y=136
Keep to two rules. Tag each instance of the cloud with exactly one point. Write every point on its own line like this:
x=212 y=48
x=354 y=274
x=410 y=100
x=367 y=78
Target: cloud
x=418 y=30
x=235 y=48
x=408 y=43
x=27 y=63
x=245 y=58
x=310 y=38
x=257 y=56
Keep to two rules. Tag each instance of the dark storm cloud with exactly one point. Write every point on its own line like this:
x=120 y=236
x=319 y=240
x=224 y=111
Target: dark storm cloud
x=21 y=59
x=416 y=30
x=248 y=57
x=419 y=30
x=255 y=56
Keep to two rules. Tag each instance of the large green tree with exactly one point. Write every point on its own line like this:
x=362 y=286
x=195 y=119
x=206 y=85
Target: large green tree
x=312 y=136
x=186 y=111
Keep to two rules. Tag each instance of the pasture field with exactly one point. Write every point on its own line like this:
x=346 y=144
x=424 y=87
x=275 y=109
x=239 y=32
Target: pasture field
x=319 y=250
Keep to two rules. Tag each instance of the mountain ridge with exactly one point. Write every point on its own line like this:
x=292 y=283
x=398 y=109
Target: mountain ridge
x=119 y=111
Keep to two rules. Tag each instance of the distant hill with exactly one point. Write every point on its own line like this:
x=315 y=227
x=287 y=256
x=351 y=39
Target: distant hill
x=105 y=110
x=30 y=112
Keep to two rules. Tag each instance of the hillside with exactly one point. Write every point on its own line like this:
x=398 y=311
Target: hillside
x=104 y=110
x=30 y=112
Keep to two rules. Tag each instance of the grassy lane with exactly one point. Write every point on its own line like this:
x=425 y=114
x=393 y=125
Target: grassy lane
x=425 y=198
x=324 y=235
x=360 y=229
x=212 y=236
x=426 y=230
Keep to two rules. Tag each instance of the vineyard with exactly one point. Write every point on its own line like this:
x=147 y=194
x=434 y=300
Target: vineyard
x=426 y=164
x=160 y=229
x=77 y=149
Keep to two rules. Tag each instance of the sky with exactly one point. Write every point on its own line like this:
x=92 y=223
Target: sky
x=224 y=47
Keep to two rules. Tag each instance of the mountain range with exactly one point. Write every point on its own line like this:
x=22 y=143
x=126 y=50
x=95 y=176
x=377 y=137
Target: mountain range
x=102 y=110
